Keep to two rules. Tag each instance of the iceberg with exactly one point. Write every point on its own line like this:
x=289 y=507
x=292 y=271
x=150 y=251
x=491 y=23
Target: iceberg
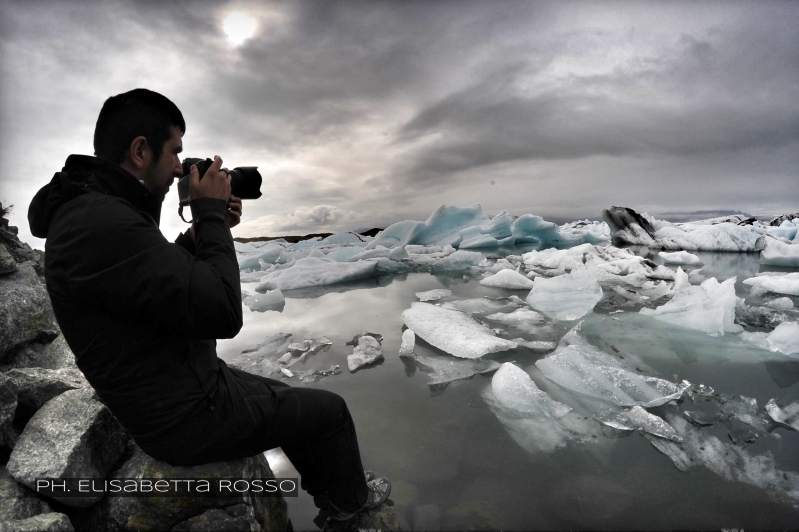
x=636 y=418
x=567 y=297
x=777 y=253
x=588 y=371
x=680 y=257
x=272 y=300
x=452 y=331
x=630 y=227
x=460 y=260
x=508 y=279
x=709 y=307
x=478 y=305
x=408 y=343
x=780 y=303
x=726 y=460
x=445 y=370
x=786 y=283
x=311 y=271
x=785 y=412
x=434 y=295
x=368 y=351
x=785 y=339
x=533 y=419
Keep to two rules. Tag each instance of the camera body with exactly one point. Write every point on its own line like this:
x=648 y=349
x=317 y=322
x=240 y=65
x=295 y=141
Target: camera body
x=245 y=181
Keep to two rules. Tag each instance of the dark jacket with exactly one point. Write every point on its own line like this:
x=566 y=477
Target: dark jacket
x=140 y=313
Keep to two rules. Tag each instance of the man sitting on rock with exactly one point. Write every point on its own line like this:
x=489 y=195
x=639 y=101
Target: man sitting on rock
x=142 y=314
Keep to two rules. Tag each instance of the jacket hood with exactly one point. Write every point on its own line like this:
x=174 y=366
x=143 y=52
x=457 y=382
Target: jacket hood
x=83 y=174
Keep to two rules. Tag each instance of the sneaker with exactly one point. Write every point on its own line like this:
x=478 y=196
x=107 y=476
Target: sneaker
x=379 y=490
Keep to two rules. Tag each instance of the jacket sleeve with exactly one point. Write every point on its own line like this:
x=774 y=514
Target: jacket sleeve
x=120 y=261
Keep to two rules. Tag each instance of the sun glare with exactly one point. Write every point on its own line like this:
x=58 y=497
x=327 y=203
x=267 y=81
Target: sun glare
x=239 y=27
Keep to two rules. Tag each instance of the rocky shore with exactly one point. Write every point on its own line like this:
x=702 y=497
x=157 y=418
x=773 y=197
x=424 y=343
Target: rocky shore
x=52 y=424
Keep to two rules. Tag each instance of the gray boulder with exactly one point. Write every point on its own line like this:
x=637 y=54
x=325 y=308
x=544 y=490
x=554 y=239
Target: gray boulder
x=8 y=406
x=7 y=262
x=217 y=521
x=52 y=522
x=186 y=513
x=17 y=501
x=25 y=311
x=36 y=386
x=384 y=517
x=52 y=355
x=72 y=436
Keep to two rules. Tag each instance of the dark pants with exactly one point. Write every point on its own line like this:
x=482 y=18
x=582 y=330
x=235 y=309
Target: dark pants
x=250 y=414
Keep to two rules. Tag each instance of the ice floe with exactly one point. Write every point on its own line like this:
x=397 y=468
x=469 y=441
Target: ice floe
x=312 y=271
x=727 y=460
x=434 y=295
x=778 y=283
x=709 y=307
x=588 y=371
x=452 y=331
x=368 y=351
x=636 y=418
x=534 y=420
x=444 y=370
x=508 y=279
x=784 y=411
x=777 y=253
x=680 y=257
x=566 y=297
x=272 y=300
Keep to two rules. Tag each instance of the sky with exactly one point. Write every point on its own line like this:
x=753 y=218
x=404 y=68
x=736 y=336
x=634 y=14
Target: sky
x=360 y=114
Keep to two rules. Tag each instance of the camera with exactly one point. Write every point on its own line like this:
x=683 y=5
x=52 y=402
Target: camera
x=245 y=181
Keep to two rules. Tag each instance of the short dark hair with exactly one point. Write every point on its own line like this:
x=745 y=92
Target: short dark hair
x=139 y=112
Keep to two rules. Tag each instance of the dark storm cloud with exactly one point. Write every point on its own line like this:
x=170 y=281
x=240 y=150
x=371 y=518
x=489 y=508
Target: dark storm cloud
x=734 y=91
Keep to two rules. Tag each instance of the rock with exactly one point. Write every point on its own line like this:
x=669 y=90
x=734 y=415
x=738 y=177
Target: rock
x=383 y=518
x=57 y=355
x=25 y=311
x=366 y=352
x=72 y=436
x=37 y=386
x=17 y=501
x=52 y=522
x=164 y=513
x=215 y=521
x=8 y=407
x=7 y=262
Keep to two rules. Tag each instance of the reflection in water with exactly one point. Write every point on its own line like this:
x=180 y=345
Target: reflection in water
x=428 y=444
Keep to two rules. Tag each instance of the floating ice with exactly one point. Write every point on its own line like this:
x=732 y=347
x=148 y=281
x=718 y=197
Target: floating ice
x=785 y=283
x=636 y=418
x=535 y=345
x=781 y=303
x=376 y=336
x=478 y=305
x=344 y=253
x=271 y=345
x=311 y=271
x=726 y=460
x=300 y=351
x=314 y=375
x=709 y=307
x=630 y=227
x=785 y=412
x=434 y=295
x=594 y=373
x=567 y=297
x=260 y=358
x=366 y=352
x=408 y=343
x=272 y=300
x=460 y=260
x=444 y=370
x=680 y=257
x=534 y=420
x=777 y=253
x=452 y=331
x=508 y=279
x=785 y=339
x=518 y=316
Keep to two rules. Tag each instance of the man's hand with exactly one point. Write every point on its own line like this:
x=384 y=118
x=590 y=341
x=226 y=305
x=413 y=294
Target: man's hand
x=233 y=211
x=214 y=184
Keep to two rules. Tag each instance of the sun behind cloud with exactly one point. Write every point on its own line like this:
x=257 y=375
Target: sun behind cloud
x=239 y=27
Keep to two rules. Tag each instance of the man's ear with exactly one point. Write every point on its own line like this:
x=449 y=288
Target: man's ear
x=139 y=153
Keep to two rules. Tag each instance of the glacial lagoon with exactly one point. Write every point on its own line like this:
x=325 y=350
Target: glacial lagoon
x=460 y=458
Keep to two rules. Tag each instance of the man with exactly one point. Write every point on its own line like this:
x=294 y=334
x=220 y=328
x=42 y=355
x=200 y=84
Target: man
x=142 y=315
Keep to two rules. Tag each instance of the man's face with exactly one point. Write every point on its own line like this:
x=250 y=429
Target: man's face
x=161 y=173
